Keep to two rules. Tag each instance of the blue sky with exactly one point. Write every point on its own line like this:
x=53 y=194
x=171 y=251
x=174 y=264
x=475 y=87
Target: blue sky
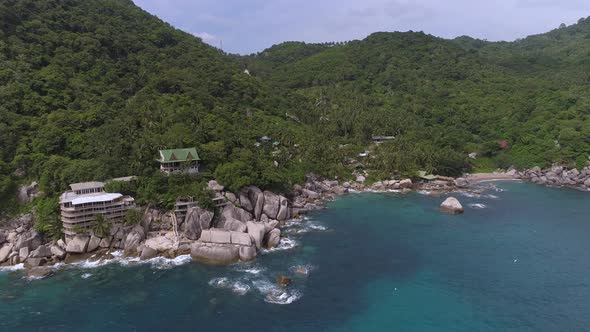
x=247 y=26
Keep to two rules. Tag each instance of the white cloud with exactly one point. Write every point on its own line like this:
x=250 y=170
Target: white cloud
x=207 y=38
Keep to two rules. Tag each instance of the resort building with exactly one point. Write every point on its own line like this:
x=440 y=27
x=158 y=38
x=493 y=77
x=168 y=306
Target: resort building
x=80 y=206
x=179 y=161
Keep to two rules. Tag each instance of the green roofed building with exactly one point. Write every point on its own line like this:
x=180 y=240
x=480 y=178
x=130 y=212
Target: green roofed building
x=179 y=161
x=423 y=175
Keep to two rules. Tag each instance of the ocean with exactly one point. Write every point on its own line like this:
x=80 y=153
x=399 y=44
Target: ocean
x=516 y=260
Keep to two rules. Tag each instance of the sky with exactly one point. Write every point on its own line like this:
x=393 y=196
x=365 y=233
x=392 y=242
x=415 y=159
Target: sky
x=249 y=26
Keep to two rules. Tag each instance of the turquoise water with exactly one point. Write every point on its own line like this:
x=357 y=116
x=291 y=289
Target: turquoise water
x=378 y=262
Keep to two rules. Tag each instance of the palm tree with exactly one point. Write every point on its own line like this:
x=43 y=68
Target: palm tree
x=101 y=226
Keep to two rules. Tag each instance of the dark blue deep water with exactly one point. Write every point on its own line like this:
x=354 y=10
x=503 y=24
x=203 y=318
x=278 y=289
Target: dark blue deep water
x=384 y=262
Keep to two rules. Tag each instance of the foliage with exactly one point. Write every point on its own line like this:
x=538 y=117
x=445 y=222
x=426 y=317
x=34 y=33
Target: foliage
x=132 y=217
x=48 y=221
x=92 y=89
x=101 y=225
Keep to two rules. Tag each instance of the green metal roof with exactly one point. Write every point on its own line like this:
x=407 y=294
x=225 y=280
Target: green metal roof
x=423 y=175
x=177 y=155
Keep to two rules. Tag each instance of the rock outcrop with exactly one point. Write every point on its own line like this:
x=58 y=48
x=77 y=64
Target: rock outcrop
x=148 y=253
x=197 y=220
x=558 y=175
x=58 y=252
x=30 y=239
x=133 y=239
x=271 y=204
x=256 y=230
x=41 y=252
x=5 y=251
x=247 y=253
x=27 y=193
x=93 y=243
x=273 y=238
x=216 y=254
x=77 y=244
x=451 y=205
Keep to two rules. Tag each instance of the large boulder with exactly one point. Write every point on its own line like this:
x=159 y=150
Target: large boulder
x=213 y=185
x=105 y=242
x=271 y=204
x=133 y=239
x=197 y=220
x=58 y=252
x=160 y=243
x=216 y=236
x=5 y=251
x=93 y=243
x=587 y=183
x=405 y=183
x=77 y=244
x=23 y=253
x=245 y=201
x=272 y=238
x=242 y=239
x=232 y=212
x=451 y=205
x=34 y=262
x=283 y=213
x=256 y=230
x=232 y=225
x=256 y=198
x=247 y=253
x=310 y=194
x=232 y=198
x=270 y=225
x=148 y=253
x=41 y=251
x=30 y=239
x=215 y=253
x=27 y=193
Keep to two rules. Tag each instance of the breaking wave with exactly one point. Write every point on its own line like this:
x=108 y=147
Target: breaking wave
x=117 y=257
x=16 y=267
x=275 y=294
x=238 y=287
x=286 y=243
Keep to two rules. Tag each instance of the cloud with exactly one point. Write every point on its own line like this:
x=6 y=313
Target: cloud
x=207 y=38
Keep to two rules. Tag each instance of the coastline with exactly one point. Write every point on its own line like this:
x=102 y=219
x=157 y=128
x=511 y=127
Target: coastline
x=311 y=196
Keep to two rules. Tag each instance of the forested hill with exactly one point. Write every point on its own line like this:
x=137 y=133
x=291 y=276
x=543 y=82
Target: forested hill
x=444 y=98
x=91 y=89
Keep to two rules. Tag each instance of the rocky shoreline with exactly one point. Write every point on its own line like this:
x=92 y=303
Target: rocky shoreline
x=250 y=221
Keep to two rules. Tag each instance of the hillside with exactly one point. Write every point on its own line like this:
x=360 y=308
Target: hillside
x=92 y=89
x=443 y=99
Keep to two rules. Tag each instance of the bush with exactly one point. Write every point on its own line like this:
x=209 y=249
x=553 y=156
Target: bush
x=48 y=221
x=132 y=217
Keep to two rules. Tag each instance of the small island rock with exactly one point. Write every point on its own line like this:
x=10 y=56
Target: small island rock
x=451 y=205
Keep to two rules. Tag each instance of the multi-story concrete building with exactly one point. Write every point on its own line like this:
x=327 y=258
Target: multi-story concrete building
x=179 y=161
x=80 y=206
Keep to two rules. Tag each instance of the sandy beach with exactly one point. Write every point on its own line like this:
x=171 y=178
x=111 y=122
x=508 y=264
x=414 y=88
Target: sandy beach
x=477 y=177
